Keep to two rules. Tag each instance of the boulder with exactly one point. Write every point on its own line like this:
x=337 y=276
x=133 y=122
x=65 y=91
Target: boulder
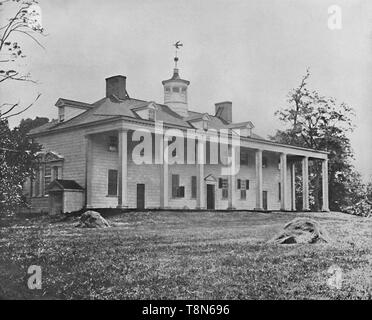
x=301 y=230
x=92 y=219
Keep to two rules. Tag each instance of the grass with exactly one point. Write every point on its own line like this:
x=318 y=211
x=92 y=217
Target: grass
x=184 y=255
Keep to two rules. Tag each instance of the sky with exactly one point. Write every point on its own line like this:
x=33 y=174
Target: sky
x=249 y=52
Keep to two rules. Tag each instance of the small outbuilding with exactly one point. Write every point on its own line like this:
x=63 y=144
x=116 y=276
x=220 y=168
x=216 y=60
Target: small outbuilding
x=65 y=196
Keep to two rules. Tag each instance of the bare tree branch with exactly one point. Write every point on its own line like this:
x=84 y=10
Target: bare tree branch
x=23 y=110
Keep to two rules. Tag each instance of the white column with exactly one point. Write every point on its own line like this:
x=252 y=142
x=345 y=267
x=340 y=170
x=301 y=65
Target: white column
x=283 y=181
x=305 y=184
x=123 y=169
x=232 y=179
x=259 y=204
x=164 y=175
x=200 y=200
x=293 y=185
x=325 y=206
x=88 y=172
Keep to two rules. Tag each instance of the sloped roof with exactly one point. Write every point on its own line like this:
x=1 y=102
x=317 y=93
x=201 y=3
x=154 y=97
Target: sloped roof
x=60 y=184
x=73 y=103
x=113 y=108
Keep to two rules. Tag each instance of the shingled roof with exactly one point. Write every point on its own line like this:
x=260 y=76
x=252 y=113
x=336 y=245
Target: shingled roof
x=60 y=184
x=114 y=108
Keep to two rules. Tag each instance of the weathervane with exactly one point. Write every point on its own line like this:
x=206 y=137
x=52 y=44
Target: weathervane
x=178 y=44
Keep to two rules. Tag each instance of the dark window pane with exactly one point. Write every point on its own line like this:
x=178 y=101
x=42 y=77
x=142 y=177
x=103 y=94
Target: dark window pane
x=193 y=187
x=243 y=194
x=175 y=184
x=112 y=186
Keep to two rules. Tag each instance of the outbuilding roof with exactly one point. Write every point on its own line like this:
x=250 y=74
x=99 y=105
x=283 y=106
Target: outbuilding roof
x=60 y=184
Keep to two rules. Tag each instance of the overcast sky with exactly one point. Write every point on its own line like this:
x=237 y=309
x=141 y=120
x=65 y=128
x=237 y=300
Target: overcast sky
x=249 y=52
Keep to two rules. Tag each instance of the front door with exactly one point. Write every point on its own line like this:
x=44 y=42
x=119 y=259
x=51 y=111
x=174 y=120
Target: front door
x=55 y=202
x=140 y=196
x=264 y=199
x=210 y=196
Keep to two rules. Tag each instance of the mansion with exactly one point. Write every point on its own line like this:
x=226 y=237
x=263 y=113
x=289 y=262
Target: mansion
x=116 y=152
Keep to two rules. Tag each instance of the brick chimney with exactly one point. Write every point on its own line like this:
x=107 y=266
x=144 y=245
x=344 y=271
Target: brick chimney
x=224 y=110
x=116 y=85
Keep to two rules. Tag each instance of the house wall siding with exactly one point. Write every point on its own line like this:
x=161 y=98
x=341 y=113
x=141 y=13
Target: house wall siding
x=72 y=146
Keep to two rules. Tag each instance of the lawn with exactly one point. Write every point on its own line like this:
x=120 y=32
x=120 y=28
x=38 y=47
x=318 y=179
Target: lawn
x=184 y=255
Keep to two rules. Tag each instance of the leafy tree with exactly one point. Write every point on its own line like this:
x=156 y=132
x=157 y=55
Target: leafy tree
x=319 y=122
x=17 y=163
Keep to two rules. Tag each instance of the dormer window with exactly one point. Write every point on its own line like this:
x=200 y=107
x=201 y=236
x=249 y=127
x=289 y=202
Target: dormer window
x=183 y=90
x=61 y=114
x=152 y=114
x=176 y=89
x=167 y=89
x=113 y=143
x=205 y=124
x=205 y=120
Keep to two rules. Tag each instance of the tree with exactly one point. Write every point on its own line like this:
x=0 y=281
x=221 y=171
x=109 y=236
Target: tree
x=26 y=21
x=319 y=122
x=17 y=152
x=17 y=163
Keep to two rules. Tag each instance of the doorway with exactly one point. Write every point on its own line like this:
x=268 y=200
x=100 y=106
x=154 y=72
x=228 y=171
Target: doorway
x=140 y=196
x=210 y=196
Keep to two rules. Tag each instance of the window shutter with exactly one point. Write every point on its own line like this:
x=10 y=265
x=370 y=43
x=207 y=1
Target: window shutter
x=220 y=182
x=193 y=187
x=247 y=184
x=112 y=185
x=239 y=184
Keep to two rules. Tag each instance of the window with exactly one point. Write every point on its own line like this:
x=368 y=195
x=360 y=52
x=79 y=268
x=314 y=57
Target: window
x=205 y=124
x=244 y=158
x=61 y=114
x=247 y=184
x=225 y=187
x=183 y=90
x=167 y=89
x=47 y=176
x=280 y=191
x=181 y=192
x=193 y=187
x=239 y=184
x=112 y=185
x=243 y=194
x=225 y=193
x=151 y=114
x=113 y=143
x=55 y=173
x=264 y=162
x=175 y=184
x=176 y=89
x=220 y=181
